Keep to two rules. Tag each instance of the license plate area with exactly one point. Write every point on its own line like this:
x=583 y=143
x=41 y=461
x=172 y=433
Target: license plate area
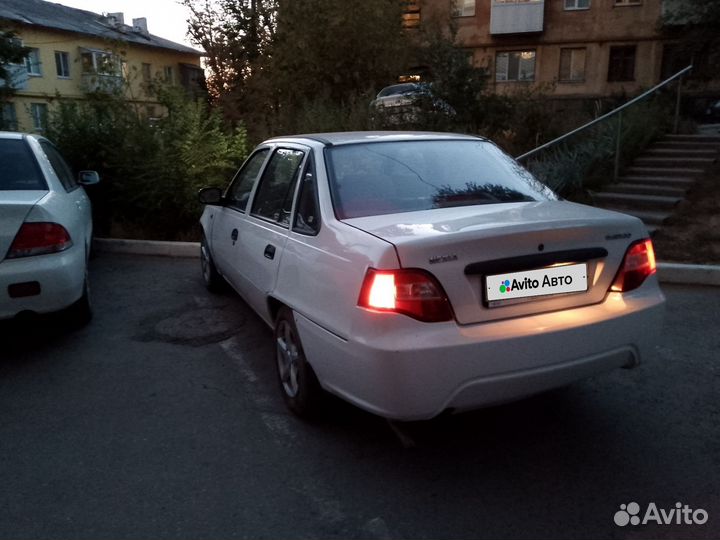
x=532 y=285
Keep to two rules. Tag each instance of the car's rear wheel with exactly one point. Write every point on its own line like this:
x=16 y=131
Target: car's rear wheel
x=212 y=278
x=298 y=384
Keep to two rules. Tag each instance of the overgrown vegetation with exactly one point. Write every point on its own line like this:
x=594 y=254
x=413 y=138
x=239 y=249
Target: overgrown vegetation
x=150 y=171
x=11 y=52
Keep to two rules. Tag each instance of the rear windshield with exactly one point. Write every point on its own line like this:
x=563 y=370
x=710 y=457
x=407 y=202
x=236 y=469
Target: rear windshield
x=18 y=168
x=406 y=176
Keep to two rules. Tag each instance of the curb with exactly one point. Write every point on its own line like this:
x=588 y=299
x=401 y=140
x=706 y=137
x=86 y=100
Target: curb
x=689 y=274
x=147 y=247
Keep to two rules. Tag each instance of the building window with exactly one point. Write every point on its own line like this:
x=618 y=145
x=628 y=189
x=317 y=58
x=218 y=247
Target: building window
x=572 y=64
x=621 y=66
x=8 y=117
x=39 y=113
x=517 y=1
x=62 y=64
x=169 y=75
x=628 y=2
x=577 y=4
x=515 y=66
x=146 y=72
x=411 y=14
x=32 y=63
x=100 y=63
x=463 y=8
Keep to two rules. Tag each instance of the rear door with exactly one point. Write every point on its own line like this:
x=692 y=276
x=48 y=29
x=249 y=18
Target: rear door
x=266 y=231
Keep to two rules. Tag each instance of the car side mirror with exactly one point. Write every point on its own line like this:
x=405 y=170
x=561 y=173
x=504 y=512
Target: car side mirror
x=88 y=178
x=210 y=195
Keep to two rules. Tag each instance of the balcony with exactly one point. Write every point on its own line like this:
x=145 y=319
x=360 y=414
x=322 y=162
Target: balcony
x=516 y=16
x=101 y=83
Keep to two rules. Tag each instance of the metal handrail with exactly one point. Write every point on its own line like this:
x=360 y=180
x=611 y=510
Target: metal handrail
x=619 y=109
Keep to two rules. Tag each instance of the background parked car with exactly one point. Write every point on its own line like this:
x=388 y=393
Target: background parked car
x=406 y=103
x=45 y=230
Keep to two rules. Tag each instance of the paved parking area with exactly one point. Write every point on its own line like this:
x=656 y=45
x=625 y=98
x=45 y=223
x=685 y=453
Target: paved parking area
x=161 y=419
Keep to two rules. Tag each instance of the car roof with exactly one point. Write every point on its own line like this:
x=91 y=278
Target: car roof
x=16 y=135
x=355 y=137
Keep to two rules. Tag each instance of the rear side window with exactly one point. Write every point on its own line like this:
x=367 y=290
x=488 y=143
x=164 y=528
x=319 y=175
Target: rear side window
x=60 y=166
x=274 y=198
x=405 y=176
x=18 y=168
x=239 y=191
x=307 y=213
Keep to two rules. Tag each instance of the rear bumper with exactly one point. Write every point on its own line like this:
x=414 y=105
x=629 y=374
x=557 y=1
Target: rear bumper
x=399 y=368
x=61 y=277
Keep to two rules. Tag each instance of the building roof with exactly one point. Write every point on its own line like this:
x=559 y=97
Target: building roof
x=59 y=17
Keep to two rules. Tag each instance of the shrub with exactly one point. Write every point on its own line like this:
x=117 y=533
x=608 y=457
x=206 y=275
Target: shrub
x=151 y=170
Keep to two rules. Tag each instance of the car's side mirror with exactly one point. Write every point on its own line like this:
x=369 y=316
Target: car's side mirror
x=88 y=178
x=210 y=195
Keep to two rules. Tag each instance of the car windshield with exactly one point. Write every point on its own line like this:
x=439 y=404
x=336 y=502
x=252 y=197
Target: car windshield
x=18 y=168
x=399 y=89
x=384 y=178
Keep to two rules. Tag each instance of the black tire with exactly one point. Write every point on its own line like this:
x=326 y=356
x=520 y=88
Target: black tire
x=211 y=277
x=299 y=386
x=80 y=313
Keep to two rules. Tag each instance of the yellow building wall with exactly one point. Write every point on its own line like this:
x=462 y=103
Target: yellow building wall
x=46 y=87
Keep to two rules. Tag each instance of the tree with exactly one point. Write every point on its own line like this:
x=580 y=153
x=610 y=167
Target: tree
x=11 y=52
x=695 y=24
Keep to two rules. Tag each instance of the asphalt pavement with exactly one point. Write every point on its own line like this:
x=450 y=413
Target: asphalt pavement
x=162 y=419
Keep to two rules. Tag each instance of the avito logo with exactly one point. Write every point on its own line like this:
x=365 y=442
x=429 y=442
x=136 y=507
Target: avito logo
x=527 y=283
x=629 y=514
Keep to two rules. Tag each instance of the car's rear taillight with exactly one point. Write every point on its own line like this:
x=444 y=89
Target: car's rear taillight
x=414 y=293
x=39 y=239
x=638 y=264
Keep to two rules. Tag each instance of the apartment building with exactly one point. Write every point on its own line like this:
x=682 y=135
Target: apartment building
x=74 y=53
x=573 y=48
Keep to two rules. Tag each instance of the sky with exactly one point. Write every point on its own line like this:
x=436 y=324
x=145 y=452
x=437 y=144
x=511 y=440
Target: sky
x=166 y=18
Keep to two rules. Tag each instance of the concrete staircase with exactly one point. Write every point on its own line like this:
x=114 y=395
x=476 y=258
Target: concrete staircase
x=660 y=178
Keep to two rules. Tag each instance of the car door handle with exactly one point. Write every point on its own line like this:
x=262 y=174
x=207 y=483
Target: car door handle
x=234 y=236
x=270 y=252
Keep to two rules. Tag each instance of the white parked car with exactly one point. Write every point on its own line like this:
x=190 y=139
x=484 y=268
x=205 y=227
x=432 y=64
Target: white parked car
x=414 y=273
x=45 y=230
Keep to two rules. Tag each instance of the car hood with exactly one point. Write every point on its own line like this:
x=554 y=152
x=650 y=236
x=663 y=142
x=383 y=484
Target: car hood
x=14 y=208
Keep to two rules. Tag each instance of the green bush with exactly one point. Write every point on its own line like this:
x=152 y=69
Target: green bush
x=150 y=169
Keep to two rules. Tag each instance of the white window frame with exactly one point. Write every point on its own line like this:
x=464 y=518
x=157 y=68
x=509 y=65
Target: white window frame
x=572 y=62
x=463 y=8
x=507 y=78
x=169 y=74
x=572 y=5
x=64 y=64
x=33 y=65
x=97 y=55
x=39 y=114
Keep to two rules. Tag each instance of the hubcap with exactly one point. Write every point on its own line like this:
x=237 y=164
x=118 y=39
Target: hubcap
x=288 y=358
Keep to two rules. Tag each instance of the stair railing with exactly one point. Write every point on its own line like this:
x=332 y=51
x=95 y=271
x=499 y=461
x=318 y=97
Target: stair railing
x=618 y=112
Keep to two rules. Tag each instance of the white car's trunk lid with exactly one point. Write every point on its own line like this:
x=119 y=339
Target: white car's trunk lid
x=14 y=208
x=462 y=246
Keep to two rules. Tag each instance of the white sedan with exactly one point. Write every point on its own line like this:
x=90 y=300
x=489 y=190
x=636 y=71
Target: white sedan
x=416 y=273
x=45 y=230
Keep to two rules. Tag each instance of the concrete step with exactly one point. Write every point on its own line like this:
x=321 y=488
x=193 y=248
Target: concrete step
x=663 y=171
x=686 y=144
x=649 y=217
x=673 y=162
x=671 y=181
x=693 y=138
x=651 y=202
x=648 y=189
x=681 y=153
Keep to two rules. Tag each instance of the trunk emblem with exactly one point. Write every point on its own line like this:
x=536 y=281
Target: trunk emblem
x=442 y=259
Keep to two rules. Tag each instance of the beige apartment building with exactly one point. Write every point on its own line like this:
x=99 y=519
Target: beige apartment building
x=572 y=48
x=74 y=53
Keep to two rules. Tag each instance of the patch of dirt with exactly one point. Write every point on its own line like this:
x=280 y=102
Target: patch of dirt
x=692 y=234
